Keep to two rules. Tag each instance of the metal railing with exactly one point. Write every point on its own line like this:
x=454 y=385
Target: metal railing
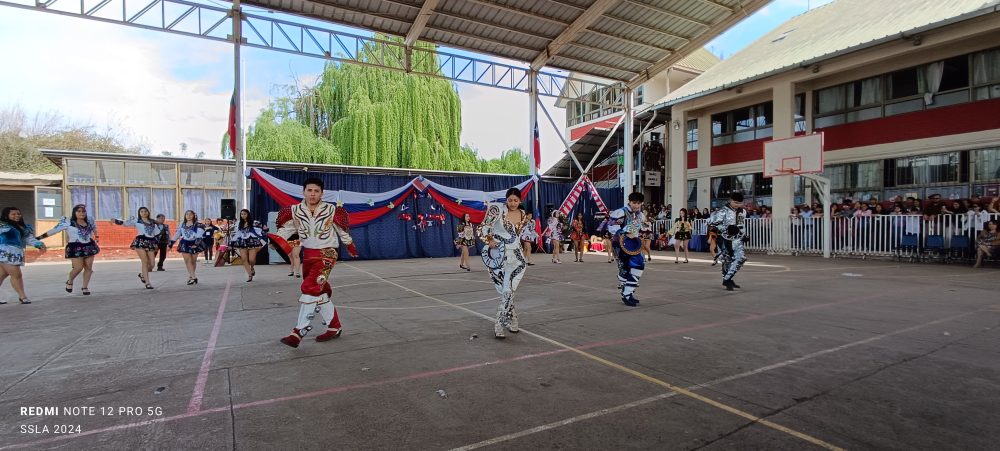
x=882 y=236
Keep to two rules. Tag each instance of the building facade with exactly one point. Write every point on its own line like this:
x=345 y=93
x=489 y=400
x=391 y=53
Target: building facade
x=907 y=95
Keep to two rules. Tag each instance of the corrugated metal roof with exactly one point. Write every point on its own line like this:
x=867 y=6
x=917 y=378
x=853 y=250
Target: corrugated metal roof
x=630 y=40
x=824 y=32
x=701 y=60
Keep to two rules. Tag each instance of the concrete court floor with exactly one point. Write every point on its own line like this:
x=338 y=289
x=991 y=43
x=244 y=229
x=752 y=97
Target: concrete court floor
x=811 y=353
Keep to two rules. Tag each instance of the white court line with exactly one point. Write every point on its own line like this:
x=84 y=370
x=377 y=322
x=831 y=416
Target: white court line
x=644 y=401
x=680 y=390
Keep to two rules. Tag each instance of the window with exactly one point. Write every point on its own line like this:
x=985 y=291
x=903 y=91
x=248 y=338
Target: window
x=109 y=203
x=139 y=197
x=639 y=95
x=928 y=169
x=164 y=174
x=111 y=172
x=987 y=164
x=163 y=202
x=137 y=173
x=692 y=135
x=81 y=171
x=955 y=74
x=986 y=74
x=904 y=83
x=800 y=113
x=743 y=124
x=48 y=203
x=849 y=102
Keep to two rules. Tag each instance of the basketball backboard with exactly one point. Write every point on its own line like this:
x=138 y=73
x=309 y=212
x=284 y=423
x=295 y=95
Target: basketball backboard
x=797 y=155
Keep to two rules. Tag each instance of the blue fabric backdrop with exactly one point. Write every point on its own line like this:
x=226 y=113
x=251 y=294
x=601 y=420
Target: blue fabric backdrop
x=391 y=238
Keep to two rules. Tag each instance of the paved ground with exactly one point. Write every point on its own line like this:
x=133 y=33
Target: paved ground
x=809 y=354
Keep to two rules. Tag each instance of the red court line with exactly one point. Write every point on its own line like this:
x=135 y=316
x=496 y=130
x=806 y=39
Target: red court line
x=341 y=389
x=206 y=361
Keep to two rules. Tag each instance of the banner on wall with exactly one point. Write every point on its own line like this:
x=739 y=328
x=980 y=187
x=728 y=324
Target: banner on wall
x=363 y=208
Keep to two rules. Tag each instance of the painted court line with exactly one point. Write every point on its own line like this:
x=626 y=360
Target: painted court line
x=206 y=362
x=640 y=375
x=644 y=401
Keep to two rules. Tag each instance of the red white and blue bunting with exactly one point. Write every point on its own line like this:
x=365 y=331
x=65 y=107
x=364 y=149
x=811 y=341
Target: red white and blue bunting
x=583 y=183
x=363 y=208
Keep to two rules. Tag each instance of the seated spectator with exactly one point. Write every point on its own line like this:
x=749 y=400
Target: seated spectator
x=661 y=241
x=994 y=205
x=987 y=243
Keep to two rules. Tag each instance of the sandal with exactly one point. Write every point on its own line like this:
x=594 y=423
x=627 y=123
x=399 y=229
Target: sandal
x=24 y=301
x=149 y=287
x=69 y=286
x=85 y=291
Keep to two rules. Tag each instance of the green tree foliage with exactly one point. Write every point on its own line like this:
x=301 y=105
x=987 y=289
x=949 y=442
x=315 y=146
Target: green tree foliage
x=362 y=115
x=21 y=136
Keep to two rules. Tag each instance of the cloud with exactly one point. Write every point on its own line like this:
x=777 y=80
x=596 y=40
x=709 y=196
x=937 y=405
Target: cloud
x=169 y=89
x=109 y=75
x=495 y=120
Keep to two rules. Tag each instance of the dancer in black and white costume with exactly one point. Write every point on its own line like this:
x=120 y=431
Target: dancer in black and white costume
x=191 y=234
x=729 y=221
x=81 y=245
x=503 y=256
x=145 y=243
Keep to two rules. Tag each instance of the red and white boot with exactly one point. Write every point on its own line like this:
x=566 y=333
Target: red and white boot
x=293 y=339
x=332 y=329
x=330 y=334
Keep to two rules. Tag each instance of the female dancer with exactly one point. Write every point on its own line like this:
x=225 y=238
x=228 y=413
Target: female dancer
x=501 y=231
x=248 y=240
x=554 y=235
x=81 y=245
x=577 y=236
x=528 y=236
x=646 y=234
x=682 y=234
x=145 y=243
x=466 y=237
x=192 y=236
x=14 y=236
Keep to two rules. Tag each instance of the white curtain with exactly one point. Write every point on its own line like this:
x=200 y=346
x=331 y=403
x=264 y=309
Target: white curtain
x=163 y=202
x=932 y=81
x=213 y=201
x=83 y=195
x=986 y=67
x=138 y=197
x=194 y=200
x=832 y=99
x=871 y=91
x=109 y=203
x=716 y=183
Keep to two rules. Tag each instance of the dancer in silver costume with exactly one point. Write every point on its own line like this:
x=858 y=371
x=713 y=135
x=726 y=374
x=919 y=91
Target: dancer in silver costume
x=728 y=220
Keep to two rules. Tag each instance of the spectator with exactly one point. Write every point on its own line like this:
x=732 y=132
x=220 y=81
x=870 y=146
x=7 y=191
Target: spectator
x=878 y=210
x=934 y=208
x=795 y=218
x=977 y=218
x=987 y=242
x=806 y=214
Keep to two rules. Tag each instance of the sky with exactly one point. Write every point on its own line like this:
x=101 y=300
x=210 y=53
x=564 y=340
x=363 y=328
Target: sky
x=165 y=89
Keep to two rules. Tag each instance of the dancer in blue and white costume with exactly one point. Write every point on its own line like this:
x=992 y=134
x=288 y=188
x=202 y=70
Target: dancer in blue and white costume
x=503 y=256
x=623 y=225
x=248 y=239
x=81 y=245
x=728 y=220
x=191 y=234
x=145 y=243
x=14 y=236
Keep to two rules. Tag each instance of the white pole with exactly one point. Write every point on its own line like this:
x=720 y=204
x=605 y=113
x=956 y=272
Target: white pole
x=241 y=157
x=629 y=163
x=532 y=125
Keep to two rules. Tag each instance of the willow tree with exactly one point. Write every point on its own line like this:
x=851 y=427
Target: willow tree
x=363 y=115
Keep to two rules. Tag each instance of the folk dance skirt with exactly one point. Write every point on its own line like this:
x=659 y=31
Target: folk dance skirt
x=82 y=250
x=191 y=246
x=145 y=242
x=248 y=243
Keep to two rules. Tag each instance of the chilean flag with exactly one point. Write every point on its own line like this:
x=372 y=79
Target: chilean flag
x=537 y=150
x=232 y=125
